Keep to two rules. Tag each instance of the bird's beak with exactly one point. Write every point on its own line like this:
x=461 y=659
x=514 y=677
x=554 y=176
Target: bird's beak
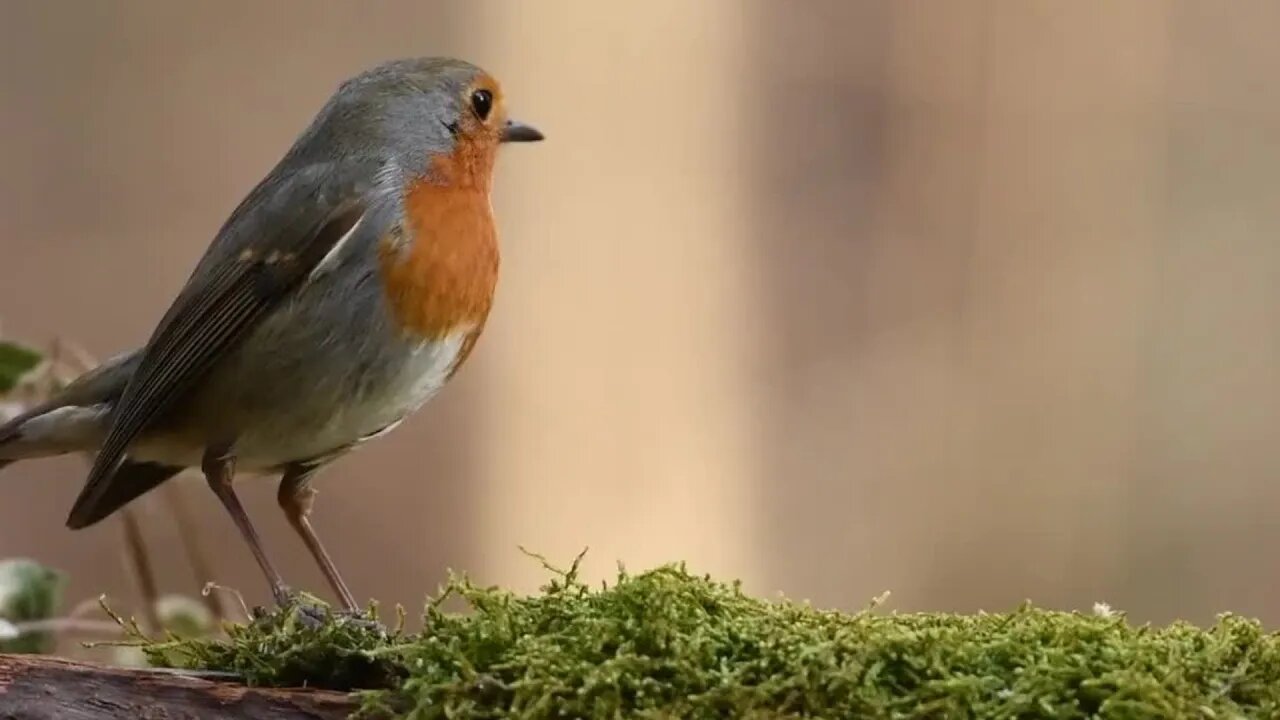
x=519 y=132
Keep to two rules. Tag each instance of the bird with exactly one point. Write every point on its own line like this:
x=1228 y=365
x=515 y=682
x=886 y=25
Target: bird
x=338 y=297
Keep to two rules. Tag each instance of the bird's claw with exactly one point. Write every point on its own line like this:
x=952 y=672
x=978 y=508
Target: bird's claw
x=312 y=614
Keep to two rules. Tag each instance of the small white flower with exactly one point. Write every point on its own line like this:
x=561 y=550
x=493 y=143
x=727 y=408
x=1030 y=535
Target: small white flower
x=1102 y=609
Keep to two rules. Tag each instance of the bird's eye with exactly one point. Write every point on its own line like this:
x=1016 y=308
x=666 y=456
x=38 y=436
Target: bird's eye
x=482 y=103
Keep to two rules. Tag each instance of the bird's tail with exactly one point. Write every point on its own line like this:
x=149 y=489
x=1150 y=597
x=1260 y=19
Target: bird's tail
x=75 y=420
x=53 y=431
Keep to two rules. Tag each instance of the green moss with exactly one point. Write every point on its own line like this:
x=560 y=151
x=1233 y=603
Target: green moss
x=29 y=592
x=16 y=362
x=669 y=644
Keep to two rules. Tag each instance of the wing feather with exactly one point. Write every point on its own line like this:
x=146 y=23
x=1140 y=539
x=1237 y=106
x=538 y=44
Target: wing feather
x=266 y=249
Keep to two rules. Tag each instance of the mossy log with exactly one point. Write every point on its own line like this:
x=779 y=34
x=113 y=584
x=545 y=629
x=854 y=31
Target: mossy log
x=34 y=687
x=667 y=644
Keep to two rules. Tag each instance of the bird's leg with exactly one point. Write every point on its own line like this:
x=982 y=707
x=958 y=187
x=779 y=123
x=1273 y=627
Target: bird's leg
x=295 y=497
x=219 y=468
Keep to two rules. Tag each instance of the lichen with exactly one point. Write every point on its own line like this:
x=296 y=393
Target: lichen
x=667 y=643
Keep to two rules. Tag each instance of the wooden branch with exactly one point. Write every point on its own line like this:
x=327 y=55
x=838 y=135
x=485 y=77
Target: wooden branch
x=34 y=687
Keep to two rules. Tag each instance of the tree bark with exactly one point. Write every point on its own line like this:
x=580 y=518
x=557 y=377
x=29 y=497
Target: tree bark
x=34 y=687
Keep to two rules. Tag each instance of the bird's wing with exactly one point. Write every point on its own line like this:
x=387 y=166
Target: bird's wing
x=267 y=248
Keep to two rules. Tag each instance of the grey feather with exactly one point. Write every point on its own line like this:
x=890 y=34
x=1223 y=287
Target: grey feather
x=273 y=245
x=74 y=420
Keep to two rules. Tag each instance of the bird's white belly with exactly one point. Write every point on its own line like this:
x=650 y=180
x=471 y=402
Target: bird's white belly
x=361 y=414
x=330 y=414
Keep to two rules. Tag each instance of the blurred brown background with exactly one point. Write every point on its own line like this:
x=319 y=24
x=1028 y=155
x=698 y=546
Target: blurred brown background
x=969 y=301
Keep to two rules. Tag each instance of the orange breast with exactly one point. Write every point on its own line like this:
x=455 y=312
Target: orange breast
x=444 y=276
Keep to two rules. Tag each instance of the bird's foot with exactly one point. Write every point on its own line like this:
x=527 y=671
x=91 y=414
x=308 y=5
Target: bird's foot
x=316 y=615
x=312 y=613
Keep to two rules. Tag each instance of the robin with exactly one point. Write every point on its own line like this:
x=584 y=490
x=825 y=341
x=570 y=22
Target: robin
x=342 y=293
